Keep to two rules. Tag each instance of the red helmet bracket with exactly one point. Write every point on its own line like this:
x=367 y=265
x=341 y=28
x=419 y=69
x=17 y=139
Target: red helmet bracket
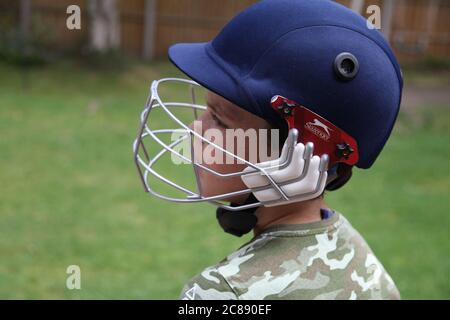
x=327 y=138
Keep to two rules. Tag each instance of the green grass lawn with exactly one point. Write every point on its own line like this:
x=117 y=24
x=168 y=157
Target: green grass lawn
x=70 y=194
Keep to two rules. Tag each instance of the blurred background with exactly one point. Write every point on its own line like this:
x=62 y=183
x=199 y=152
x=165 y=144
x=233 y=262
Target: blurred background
x=69 y=192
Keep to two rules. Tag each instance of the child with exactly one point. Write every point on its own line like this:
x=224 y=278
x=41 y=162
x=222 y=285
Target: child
x=331 y=85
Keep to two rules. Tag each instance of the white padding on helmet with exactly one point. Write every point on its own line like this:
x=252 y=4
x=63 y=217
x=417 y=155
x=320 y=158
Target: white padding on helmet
x=302 y=179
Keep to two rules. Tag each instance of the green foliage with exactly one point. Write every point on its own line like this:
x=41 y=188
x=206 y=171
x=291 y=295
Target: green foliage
x=27 y=50
x=109 y=60
x=16 y=49
x=430 y=63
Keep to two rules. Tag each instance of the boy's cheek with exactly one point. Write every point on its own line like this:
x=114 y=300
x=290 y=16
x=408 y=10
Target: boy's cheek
x=213 y=185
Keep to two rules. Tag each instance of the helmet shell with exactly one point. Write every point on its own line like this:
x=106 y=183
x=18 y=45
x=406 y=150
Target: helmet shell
x=299 y=49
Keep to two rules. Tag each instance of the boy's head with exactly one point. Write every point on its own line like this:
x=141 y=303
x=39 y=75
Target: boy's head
x=230 y=121
x=319 y=60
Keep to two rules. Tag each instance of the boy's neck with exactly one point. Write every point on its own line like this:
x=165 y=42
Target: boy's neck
x=294 y=213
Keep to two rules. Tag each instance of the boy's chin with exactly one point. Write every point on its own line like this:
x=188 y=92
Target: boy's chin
x=238 y=200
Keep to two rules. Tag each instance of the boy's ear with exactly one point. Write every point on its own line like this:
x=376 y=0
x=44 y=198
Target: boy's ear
x=344 y=173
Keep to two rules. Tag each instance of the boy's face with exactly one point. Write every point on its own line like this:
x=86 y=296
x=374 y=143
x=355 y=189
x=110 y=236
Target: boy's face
x=223 y=115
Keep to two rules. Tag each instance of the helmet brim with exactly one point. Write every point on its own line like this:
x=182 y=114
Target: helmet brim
x=199 y=62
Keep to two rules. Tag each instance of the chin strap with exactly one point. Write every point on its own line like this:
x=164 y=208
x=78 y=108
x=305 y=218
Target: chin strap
x=239 y=222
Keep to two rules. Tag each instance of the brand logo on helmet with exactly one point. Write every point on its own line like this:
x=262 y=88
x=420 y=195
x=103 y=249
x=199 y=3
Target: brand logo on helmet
x=319 y=129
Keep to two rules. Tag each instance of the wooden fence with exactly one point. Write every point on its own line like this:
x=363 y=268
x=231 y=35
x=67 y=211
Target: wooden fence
x=419 y=28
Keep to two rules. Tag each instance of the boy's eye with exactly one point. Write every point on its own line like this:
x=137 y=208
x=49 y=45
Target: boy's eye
x=217 y=120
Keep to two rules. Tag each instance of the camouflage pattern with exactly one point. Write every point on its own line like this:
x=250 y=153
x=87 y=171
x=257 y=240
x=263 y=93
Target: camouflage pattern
x=327 y=259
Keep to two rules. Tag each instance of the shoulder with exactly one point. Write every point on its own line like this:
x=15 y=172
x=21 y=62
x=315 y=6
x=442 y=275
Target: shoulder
x=330 y=263
x=363 y=275
x=218 y=282
x=208 y=285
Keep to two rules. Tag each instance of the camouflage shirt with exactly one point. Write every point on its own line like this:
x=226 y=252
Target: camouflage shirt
x=326 y=259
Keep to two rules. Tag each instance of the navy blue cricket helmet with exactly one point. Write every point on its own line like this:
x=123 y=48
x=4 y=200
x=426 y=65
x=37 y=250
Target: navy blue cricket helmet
x=315 y=52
